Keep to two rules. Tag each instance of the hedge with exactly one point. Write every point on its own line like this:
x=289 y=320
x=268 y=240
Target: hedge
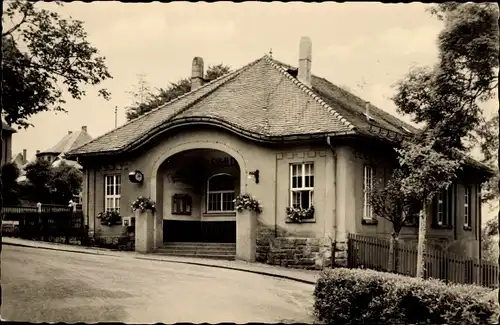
x=355 y=296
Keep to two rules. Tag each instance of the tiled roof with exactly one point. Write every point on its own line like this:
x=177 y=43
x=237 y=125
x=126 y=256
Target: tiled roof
x=61 y=160
x=263 y=100
x=69 y=142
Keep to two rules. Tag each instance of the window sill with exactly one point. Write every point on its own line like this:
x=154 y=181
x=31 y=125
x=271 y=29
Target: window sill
x=436 y=226
x=303 y=221
x=181 y=213
x=468 y=228
x=219 y=214
x=369 y=221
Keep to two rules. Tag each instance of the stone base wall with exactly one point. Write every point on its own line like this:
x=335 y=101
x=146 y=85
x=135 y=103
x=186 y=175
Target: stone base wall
x=279 y=247
x=340 y=252
x=117 y=237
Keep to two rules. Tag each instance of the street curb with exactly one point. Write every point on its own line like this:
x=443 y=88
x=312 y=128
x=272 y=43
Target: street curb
x=281 y=276
x=58 y=249
x=105 y=253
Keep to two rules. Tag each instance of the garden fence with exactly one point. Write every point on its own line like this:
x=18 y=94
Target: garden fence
x=47 y=223
x=373 y=253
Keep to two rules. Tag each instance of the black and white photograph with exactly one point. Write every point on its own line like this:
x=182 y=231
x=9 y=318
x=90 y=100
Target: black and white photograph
x=250 y=162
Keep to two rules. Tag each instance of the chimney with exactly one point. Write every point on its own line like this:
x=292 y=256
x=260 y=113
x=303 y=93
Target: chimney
x=69 y=132
x=24 y=155
x=305 y=54
x=197 y=73
x=84 y=128
x=37 y=153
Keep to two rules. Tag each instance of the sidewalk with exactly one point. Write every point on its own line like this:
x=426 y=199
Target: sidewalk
x=305 y=276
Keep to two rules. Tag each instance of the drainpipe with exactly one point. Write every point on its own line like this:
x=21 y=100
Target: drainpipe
x=329 y=143
x=94 y=203
x=88 y=198
x=455 y=221
x=275 y=197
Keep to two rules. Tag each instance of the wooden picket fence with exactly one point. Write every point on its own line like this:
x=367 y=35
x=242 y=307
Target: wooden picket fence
x=373 y=253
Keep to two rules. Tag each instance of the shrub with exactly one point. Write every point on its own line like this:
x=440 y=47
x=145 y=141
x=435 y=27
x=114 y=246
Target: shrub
x=247 y=202
x=298 y=214
x=142 y=204
x=346 y=296
x=109 y=218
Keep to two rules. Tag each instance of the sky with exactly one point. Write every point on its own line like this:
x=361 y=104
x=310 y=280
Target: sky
x=364 y=47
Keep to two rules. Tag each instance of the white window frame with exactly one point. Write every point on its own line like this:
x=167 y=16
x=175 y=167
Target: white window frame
x=367 y=190
x=115 y=184
x=221 y=193
x=467 y=207
x=442 y=200
x=303 y=168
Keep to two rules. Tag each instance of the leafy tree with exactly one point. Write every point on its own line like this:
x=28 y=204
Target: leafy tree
x=48 y=184
x=39 y=175
x=489 y=236
x=10 y=189
x=146 y=101
x=488 y=142
x=388 y=203
x=44 y=55
x=426 y=173
x=66 y=181
x=446 y=98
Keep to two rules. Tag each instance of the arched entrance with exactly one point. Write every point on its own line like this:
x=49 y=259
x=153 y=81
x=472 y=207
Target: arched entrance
x=195 y=189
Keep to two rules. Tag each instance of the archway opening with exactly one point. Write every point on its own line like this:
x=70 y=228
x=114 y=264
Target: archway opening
x=195 y=196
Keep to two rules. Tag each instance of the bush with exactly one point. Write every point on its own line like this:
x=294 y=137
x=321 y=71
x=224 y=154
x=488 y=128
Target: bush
x=354 y=296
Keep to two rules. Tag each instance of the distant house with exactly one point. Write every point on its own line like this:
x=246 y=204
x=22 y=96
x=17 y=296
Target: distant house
x=7 y=132
x=70 y=141
x=20 y=160
x=56 y=154
x=287 y=137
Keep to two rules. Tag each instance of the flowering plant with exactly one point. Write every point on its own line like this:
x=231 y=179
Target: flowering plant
x=143 y=204
x=299 y=214
x=247 y=202
x=109 y=218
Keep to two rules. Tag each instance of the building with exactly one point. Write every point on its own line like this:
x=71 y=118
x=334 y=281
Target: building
x=20 y=160
x=7 y=132
x=55 y=154
x=70 y=141
x=281 y=134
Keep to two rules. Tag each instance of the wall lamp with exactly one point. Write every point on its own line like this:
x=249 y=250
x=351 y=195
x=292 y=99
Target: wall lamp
x=255 y=175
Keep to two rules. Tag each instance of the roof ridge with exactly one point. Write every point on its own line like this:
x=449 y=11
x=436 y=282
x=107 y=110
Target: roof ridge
x=385 y=113
x=163 y=105
x=380 y=110
x=211 y=82
x=230 y=77
x=308 y=91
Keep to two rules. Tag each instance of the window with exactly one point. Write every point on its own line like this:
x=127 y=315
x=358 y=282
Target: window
x=112 y=192
x=443 y=207
x=467 y=207
x=302 y=185
x=181 y=204
x=220 y=193
x=367 y=190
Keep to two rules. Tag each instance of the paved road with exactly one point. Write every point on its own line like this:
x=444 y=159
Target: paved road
x=51 y=286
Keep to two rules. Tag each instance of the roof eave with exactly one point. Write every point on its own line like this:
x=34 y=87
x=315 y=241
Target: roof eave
x=262 y=138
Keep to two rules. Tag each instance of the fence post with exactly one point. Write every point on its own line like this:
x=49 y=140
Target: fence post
x=40 y=224
x=68 y=224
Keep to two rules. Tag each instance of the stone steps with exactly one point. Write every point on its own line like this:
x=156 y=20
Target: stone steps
x=202 y=250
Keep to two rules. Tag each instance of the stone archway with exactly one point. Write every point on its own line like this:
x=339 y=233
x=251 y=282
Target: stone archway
x=156 y=185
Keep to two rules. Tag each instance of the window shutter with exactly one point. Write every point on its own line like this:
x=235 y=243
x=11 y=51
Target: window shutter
x=449 y=218
x=435 y=211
